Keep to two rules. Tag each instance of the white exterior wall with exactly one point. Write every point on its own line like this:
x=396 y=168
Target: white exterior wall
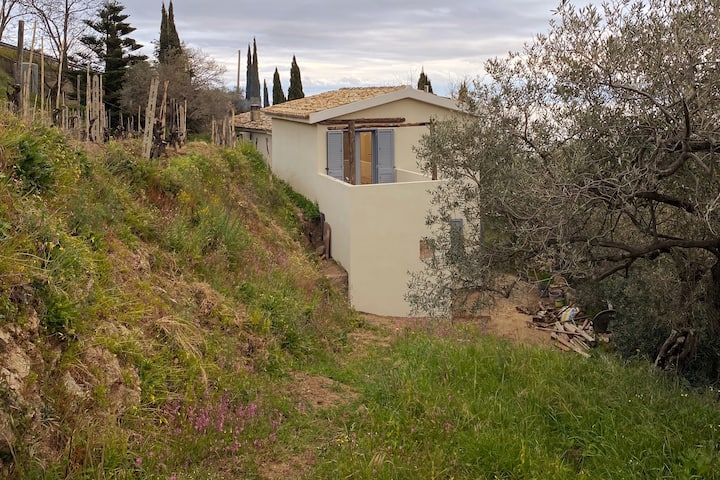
x=408 y=176
x=296 y=153
x=376 y=232
x=376 y=229
x=388 y=223
x=334 y=200
x=261 y=141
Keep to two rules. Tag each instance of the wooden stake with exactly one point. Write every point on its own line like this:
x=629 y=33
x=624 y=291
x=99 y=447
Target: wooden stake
x=163 y=107
x=42 y=81
x=60 y=72
x=19 y=62
x=27 y=80
x=87 y=104
x=150 y=117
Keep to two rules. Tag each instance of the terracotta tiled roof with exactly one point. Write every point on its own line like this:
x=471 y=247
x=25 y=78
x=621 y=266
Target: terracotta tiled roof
x=245 y=121
x=304 y=107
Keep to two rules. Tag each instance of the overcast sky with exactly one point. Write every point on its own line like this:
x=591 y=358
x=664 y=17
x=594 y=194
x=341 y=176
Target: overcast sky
x=343 y=43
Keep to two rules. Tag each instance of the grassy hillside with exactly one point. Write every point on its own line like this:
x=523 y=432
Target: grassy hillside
x=137 y=296
x=163 y=319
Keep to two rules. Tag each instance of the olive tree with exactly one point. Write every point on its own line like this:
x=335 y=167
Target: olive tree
x=593 y=153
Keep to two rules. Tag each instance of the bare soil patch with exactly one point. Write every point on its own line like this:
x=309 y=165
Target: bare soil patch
x=311 y=392
x=501 y=320
x=505 y=321
x=316 y=391
x=293 y=467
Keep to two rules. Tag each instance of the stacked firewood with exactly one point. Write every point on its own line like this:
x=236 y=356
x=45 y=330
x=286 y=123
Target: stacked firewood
x=568 y=327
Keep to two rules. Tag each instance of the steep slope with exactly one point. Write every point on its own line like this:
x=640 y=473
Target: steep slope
x=141 y=302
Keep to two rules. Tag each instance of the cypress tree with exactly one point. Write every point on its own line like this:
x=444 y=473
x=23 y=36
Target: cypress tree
x=424 y=82
x=266 y=97
x=278 y=93
x=248 y=76
x=295 y=91
x=163 y=43
x=255 y=73
x=173 y=38
x=169 y=44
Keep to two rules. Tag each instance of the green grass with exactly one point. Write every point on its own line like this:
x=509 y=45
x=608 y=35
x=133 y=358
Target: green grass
x=478 y=407
x=177 y=296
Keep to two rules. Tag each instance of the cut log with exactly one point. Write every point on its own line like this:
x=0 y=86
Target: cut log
x=567 y=343
x=569 y=333
x=572 y=328
x=580 y=344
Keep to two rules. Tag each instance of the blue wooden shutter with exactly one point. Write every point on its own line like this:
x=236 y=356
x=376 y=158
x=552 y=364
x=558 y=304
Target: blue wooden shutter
x=335 y=166
x=385 y=156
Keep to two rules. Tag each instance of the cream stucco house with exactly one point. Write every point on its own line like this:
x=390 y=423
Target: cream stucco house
x=351 y=151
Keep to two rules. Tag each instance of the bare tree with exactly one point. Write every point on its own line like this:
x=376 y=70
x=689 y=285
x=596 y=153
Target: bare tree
x=62 y=22
x=595 y=155
x=9 y=9
x=192 y=76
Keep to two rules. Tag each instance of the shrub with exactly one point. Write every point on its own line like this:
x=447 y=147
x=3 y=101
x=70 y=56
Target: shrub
x=33 y=166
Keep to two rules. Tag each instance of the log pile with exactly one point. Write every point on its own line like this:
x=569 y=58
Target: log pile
x=568 y=327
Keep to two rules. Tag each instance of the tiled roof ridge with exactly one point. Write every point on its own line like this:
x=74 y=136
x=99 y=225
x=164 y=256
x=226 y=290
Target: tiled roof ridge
x=304 y=107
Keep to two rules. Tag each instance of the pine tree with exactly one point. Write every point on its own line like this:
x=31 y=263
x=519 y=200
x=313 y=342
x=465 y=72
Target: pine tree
x=295 y=91
x=266 y=97
x=424 y=83
x=248 y=76
x=113 y=48
x=278 y=93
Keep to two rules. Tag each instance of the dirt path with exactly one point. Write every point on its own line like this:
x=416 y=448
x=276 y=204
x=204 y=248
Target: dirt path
x=319 y=393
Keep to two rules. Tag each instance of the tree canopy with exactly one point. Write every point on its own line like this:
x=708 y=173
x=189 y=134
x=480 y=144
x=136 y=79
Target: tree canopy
x=191 y=76
x=112 y=47
x=169 y=44
x=295 y=90
x=424 y=82
x=9 y=9
x=592 y=154
x=252 y=84
x=278 y=93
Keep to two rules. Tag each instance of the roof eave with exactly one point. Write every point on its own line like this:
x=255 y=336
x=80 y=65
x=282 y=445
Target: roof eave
x=401 y=94
x=253 y=130
x=286 y=116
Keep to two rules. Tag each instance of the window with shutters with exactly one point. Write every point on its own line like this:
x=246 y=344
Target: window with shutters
x=367 y=157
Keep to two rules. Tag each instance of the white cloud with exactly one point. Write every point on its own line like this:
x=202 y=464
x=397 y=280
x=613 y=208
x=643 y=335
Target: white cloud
x=342 y=44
